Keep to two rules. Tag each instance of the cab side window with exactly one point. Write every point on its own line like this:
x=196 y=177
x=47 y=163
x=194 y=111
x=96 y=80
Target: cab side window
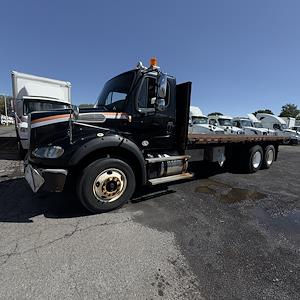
x=236 y=124
x=147 y=94
x=213 y=122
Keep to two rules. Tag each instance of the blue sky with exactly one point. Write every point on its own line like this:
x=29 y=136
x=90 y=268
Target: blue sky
x=240 y=55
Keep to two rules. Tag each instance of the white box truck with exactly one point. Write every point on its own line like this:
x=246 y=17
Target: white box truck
x=33 y=93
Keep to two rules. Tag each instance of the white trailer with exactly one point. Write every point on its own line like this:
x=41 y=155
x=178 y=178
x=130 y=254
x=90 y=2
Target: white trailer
x=35 y=93
x=198 y=123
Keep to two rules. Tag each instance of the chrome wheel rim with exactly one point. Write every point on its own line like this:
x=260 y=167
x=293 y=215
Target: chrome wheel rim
x=270 y=157
x=256 y=159
x=109 y=185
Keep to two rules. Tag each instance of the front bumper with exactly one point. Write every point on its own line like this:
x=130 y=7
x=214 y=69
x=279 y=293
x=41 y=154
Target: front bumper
x=50 y=180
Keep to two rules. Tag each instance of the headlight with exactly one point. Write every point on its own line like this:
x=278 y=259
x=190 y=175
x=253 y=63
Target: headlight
x=48 y=152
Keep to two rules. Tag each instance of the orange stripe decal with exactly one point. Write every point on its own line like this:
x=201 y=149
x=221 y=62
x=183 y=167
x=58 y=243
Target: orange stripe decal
x=50 y=118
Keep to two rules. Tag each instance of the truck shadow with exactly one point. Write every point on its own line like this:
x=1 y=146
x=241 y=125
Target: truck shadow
x=19 y=205
x=8 y=148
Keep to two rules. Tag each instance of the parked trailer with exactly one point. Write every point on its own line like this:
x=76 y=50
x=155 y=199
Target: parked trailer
x=137 y=135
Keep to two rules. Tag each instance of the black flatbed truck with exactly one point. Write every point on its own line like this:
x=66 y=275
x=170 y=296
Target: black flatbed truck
x=136 y=135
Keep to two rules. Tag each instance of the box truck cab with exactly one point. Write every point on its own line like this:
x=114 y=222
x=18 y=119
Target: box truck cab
x=33 y=93
x=225 y=122
x=198 y=123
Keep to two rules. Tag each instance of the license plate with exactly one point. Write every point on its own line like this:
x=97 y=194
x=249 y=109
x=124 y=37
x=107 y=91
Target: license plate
x=33 y=178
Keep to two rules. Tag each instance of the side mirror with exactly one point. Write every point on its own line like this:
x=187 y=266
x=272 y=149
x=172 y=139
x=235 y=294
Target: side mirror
x=162 y=86
x=160 y=104
x=75 y=111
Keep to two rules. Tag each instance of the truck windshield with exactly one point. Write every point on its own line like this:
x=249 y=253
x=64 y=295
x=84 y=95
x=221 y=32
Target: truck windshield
x=115 y=91
x=199 y=120
x=225 y=122
x=42 y=105
x=246 y=123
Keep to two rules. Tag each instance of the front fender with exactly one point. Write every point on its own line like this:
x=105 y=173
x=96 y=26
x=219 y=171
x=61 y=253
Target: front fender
x=110 y=141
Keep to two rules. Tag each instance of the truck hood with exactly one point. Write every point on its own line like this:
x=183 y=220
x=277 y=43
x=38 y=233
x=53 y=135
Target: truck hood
x=232 y=129
x=206 y=128
x=62 y=125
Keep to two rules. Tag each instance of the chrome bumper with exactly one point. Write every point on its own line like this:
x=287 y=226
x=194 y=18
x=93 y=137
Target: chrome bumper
x=50 y=180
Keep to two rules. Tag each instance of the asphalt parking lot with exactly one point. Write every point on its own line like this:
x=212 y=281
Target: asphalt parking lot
x=220 y=236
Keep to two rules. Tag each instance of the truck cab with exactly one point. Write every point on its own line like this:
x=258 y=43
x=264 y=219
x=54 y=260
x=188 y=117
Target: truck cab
x=247 y=125
x=198 y=123
x=279 y=126
x=225 y=122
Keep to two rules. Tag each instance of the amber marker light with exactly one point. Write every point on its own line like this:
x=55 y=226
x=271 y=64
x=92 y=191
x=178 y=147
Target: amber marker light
x=153 y=62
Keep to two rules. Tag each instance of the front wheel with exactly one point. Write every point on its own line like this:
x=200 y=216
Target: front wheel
x=106 y=184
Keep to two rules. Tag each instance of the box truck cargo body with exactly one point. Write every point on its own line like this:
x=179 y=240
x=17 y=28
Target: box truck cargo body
x=34 y=93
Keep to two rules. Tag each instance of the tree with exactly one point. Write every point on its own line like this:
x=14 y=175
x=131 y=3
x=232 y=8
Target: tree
x=289 y=110
x=86 y=105
x=215 y=114
x=263 y=111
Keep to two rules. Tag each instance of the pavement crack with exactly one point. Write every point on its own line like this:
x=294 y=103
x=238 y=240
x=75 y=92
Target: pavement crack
x=9 y=255
x=65 y=236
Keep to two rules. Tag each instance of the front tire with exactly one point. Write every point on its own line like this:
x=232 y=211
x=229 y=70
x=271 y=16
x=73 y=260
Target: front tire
x=106 y=184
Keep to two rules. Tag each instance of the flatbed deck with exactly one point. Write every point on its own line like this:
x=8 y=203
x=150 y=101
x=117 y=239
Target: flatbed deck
x=203 y=139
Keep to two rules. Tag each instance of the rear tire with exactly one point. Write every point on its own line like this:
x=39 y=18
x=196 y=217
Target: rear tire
x=269 y=156
x=106 y=184
x=253 y=159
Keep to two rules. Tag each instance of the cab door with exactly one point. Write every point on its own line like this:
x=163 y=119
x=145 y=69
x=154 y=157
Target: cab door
x=153 y=129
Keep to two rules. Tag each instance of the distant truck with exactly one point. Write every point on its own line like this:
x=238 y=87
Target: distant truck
x=198 y=123
x=33 y=93
x=225 y=122
x=6 y=120
x=248 y=126
x=257 y=124
x=279 y=125
x=290 y=122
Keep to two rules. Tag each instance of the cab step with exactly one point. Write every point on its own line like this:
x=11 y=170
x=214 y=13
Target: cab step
x=171 y=178
x=168 y=158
